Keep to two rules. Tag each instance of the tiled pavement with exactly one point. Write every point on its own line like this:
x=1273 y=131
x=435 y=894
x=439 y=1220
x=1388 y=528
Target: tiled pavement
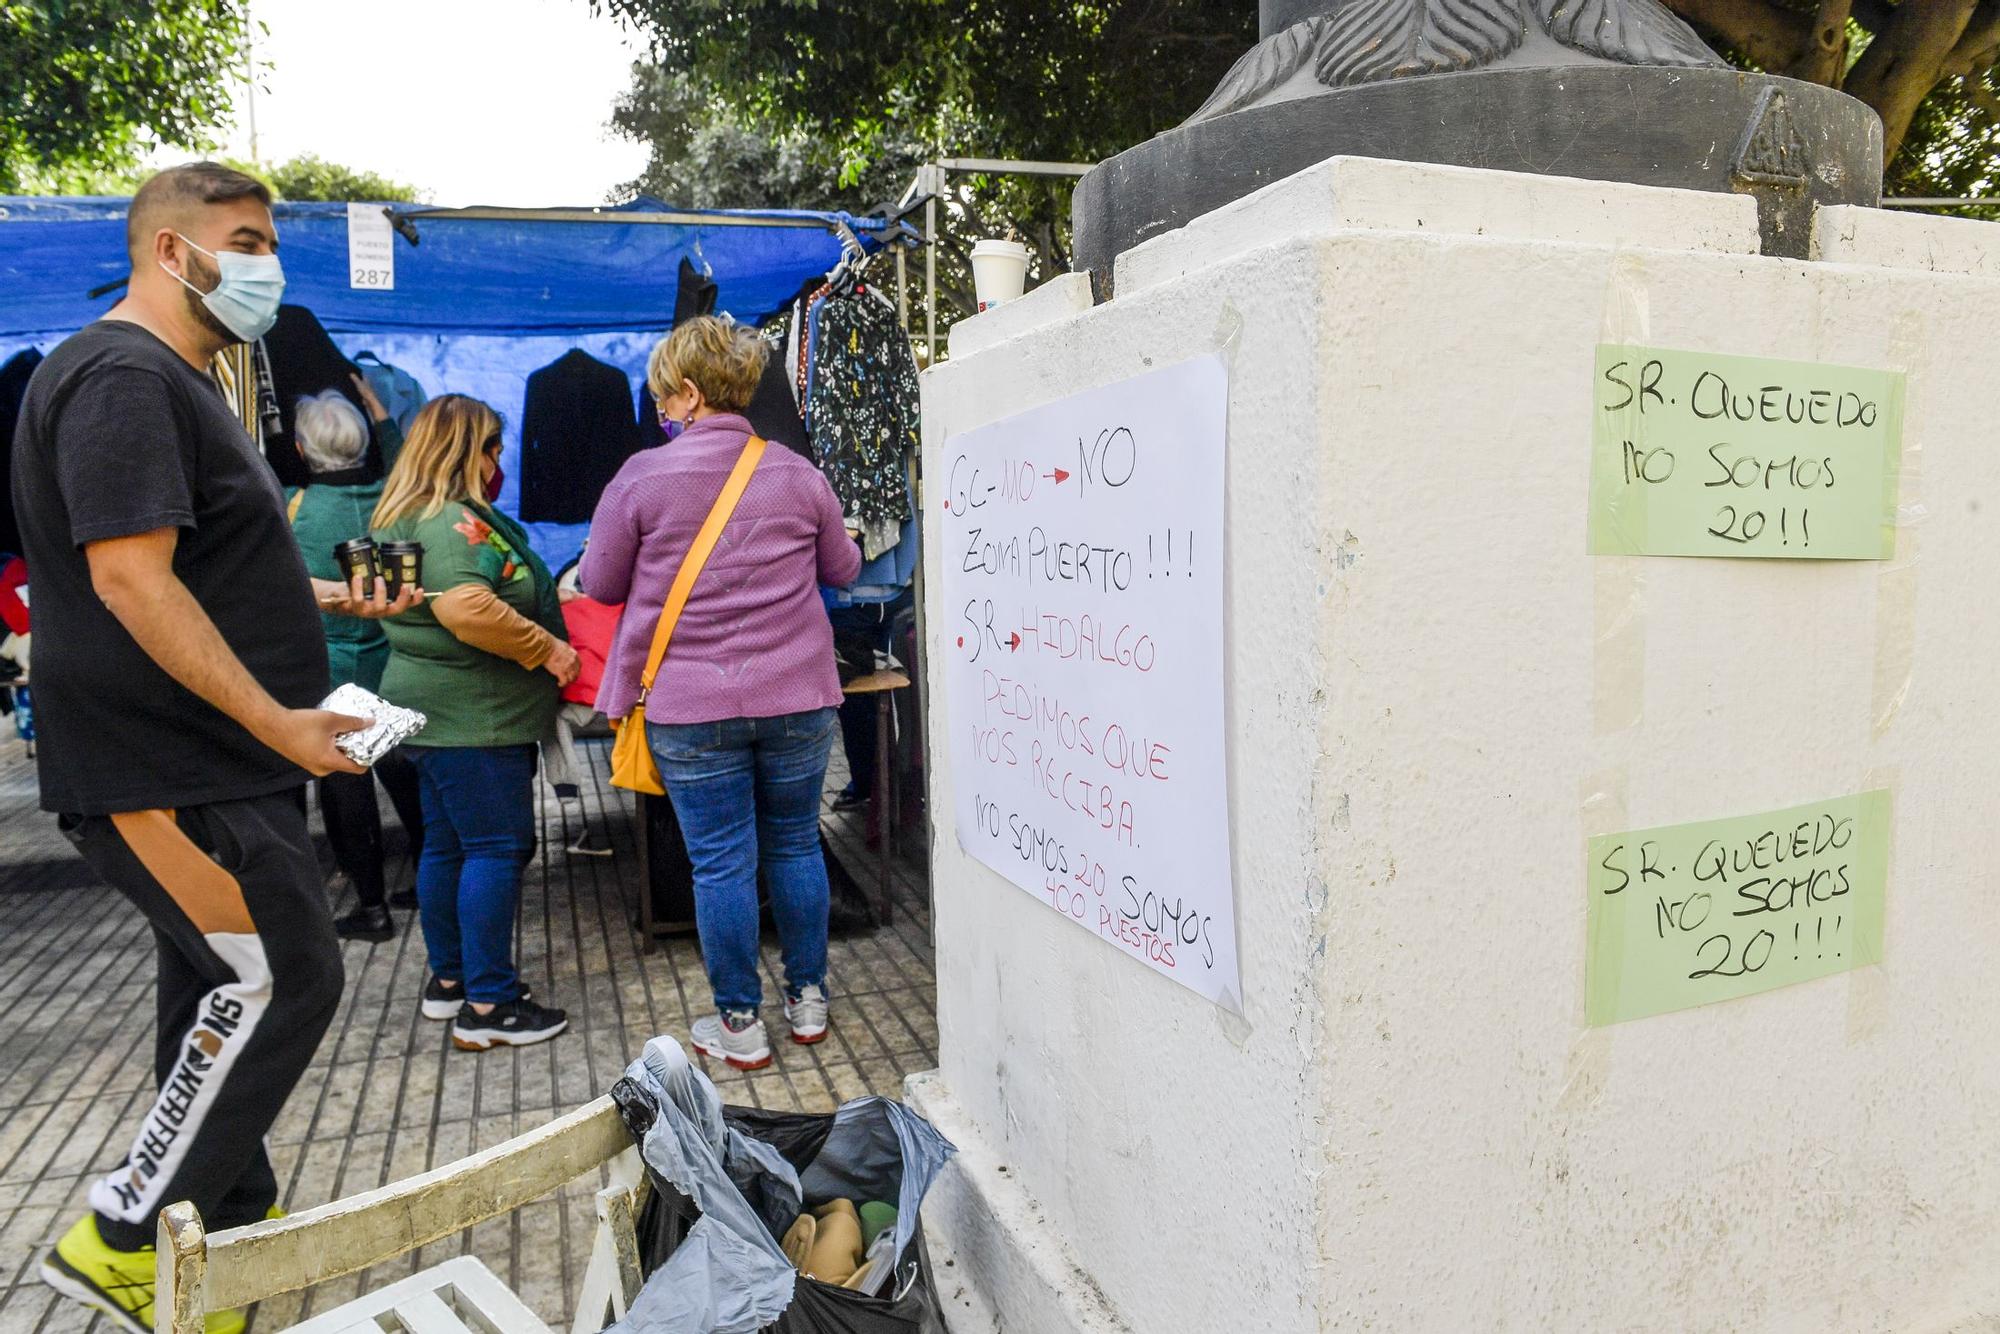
x=387 y=1095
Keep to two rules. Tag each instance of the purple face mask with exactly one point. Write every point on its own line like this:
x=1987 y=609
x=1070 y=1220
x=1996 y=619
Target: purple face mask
x=670 y=427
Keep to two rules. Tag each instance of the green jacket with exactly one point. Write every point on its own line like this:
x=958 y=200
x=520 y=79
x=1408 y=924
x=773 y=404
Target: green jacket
x=336 y=508
x=471 y=697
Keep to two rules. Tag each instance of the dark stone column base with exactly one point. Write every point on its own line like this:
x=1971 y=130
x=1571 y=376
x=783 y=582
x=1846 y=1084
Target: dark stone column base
x=1793 y=145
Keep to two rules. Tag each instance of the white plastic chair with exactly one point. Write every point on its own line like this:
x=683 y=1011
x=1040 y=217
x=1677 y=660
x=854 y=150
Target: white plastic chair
x=199 y=1273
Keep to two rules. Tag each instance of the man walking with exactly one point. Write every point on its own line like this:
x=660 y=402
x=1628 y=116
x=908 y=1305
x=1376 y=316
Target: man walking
x=179 y=654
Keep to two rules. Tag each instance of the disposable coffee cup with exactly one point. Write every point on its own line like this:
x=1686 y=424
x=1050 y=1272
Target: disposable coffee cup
x=358 y=558
x=999 y=272
x=402 y=565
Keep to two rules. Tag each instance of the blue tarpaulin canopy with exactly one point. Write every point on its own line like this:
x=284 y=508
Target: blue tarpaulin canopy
x=480 y=271
x=485 y=297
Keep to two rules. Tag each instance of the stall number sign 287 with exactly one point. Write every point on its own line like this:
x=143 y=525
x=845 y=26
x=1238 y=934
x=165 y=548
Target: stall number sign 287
x=371 y=253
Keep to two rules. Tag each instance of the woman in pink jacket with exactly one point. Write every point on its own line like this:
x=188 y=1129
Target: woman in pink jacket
x=742 y=714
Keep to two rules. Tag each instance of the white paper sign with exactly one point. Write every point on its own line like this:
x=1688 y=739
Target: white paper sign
x=1083 y=649
x=371 y=249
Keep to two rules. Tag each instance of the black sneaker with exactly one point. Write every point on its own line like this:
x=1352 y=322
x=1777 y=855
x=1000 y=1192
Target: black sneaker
x=442 y=1002
x=366 y=923
x=518 y=1023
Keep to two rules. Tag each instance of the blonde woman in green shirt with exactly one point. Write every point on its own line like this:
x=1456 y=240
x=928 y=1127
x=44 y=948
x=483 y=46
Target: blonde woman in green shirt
x=485 y=659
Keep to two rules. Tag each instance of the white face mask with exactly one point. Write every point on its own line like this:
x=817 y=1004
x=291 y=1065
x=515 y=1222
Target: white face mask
x=247 y=296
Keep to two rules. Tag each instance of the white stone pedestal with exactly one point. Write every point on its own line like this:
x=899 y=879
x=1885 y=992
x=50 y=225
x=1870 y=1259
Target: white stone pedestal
x=1434 y=694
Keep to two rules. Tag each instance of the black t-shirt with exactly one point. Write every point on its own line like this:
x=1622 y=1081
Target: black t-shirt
x=118 y=435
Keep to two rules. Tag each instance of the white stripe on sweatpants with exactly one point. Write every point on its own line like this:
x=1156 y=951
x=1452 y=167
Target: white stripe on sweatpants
x=222 y=1028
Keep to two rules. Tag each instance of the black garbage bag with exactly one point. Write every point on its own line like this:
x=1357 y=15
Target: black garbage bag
x=726 y=1183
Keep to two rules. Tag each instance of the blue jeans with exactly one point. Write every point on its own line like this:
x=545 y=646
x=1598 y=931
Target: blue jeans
x=479 y=832
x=747 y=792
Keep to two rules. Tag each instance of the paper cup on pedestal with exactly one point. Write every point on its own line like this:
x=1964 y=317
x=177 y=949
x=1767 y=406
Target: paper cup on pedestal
x=999 y=271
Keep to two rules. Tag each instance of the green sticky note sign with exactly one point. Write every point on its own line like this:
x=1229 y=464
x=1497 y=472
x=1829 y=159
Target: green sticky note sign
x=1687 y=914
x=1699 y=454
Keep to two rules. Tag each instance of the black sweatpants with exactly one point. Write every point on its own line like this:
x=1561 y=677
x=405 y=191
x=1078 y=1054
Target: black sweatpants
x=250 y=977
x=354 y=823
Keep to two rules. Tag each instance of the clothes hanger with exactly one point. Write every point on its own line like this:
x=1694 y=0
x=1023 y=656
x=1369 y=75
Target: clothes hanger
x=851 y=253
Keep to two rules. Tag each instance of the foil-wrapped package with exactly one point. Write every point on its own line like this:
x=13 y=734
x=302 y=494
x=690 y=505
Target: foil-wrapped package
x=389 y=726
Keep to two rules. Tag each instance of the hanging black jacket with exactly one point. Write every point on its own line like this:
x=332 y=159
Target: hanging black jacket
x=774 y=408
x=694 y=294
x=577 y=429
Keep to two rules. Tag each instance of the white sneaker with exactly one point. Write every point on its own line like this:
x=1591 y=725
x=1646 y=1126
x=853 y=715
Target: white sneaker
x=737 y=1038
x=807 y=1015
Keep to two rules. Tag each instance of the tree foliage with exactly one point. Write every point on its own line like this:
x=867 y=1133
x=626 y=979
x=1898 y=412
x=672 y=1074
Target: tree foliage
x=707 y=153
x=304 y=177
x=309 y=176
x=1926 y=66
x=1077 y=81
x=88 y=85
x=833 y=103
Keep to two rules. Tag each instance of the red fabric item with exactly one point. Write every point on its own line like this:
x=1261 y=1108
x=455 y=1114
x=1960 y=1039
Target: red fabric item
x=13 y=611
x=591 y=626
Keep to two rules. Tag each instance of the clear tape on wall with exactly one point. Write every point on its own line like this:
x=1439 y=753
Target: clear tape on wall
x=1587 y=1071
x=1602 y=802
x=1618 y=691
x=1896 y=578
x=1618 y=650
x=1228 y=341
x=1228 y=335
x=1868 y=988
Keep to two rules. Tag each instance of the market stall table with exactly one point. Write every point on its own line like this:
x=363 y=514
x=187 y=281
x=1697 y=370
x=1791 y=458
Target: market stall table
x=883 y=685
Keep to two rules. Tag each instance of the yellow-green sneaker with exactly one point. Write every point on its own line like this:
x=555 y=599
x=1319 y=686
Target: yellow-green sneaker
x=118 y=1284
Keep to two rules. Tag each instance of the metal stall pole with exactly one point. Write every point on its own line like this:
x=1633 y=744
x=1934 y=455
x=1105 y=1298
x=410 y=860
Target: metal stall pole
x=919 y=671
x=930 y=278
x=902 y=291
x=1958 y=203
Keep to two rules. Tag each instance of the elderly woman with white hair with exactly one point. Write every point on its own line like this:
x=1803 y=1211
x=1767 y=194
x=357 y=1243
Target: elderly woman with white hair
x=334 y=508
